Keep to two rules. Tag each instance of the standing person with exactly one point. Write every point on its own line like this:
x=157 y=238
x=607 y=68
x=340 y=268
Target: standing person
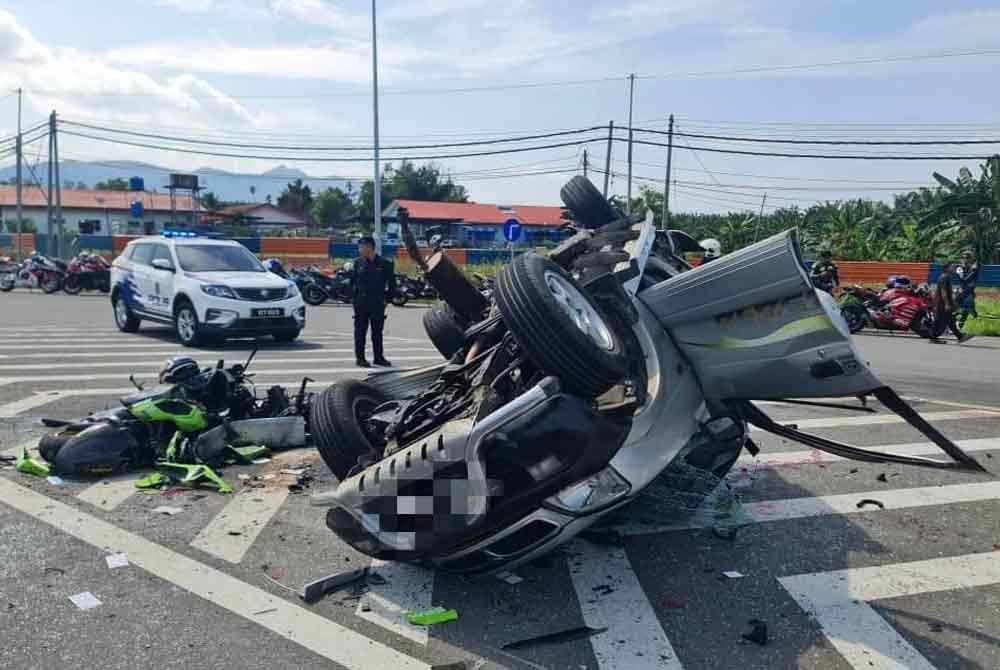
x=373 y=280
x=824 y=274
x=968 y=275
x=944 y=306
x=713 y=249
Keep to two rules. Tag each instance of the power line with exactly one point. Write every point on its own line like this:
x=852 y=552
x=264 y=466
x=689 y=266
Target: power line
x=770 y=140
x=870 y=157
x=504 y=140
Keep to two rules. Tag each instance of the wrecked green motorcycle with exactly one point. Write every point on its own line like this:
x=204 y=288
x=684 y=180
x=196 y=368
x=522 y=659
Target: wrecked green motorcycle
x=192 y=415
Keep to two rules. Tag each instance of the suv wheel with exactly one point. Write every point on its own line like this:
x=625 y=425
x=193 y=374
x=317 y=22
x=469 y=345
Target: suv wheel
x=186 y=325
x=126 y=322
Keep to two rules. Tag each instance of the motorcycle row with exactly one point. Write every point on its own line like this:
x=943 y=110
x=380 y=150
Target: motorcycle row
x=900 y=306
x=84 y=272
x=318 y=286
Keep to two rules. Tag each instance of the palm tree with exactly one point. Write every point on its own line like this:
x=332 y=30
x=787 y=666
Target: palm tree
x=969 y=210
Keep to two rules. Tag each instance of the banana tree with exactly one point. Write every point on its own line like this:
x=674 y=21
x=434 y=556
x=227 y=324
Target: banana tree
x=970 y=210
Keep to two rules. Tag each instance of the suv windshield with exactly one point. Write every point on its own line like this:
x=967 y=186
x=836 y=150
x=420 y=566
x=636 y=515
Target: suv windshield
x=217 y=258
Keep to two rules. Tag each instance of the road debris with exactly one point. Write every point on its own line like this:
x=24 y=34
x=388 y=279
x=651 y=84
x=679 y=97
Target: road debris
x=267 y=611
x=870 y=501
x=509 y=577
x=757 y=633
x=170 y=511
x=85 y=600
x=553 y=638
x=119 y=560
x=29 y=466
x=260 y=461
x=431 y=617
x=152 y=481
x=732 y=574
x=55 y=480
x=457 y=665
x=315 y=590
x=882 y=477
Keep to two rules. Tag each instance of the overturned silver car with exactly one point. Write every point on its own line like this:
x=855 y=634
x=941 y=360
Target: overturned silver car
x=576 y=379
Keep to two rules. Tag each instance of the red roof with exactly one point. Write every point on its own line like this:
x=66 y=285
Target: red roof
x=474 y=213
x=78 y=198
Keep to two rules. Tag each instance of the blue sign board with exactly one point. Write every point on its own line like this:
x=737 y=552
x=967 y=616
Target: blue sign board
x=512 y=230
x=136 y=184
x=135 y=209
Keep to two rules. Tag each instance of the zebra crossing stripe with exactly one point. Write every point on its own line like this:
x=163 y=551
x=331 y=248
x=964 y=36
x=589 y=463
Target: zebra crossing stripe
x=814 y=456
x=158 y=364
x=318 y=634
x=882 y=419
x=407 y=587
x=233 y=530
x=839 y=602
x=109 y=493
x=262 y=356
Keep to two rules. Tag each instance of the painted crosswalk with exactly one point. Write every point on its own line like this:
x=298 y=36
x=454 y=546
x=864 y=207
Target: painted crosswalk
x=216 y=547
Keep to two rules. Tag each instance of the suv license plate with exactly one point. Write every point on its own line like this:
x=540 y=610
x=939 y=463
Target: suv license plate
x=272 y=311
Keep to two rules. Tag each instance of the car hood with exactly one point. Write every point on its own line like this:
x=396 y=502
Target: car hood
x=241 y=279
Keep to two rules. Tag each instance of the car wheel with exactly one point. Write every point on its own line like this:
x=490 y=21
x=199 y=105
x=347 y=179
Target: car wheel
x=559 y=326
x=337 y=419
x=313 y=295
x=285 y=335
x=590 y=208
x=72 y=285
x=186 y=325
x=124 y=319
x=445 y=328
x=855 y=316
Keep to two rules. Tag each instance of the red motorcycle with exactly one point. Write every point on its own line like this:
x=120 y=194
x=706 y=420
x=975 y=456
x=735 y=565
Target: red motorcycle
x=897 y=308
x=35 y=271
x=87 y=272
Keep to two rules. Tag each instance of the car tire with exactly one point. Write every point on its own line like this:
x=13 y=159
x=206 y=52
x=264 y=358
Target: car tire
x=336 y=420
x=72 y=284
x=590 y=208
x=186 y=325
x=285 y=335
x=124 y=319
x=560 y=328
x=313 y=295
x=445 y=328
x=855 y=316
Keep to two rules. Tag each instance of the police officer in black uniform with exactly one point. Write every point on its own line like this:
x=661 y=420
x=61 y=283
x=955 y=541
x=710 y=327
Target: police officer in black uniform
x=372 y=281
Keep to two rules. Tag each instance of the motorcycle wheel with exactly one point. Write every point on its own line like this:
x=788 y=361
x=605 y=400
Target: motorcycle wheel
x=337 y=419
x=399 y=300
x=7 y=283
x=445 y=329
x=855 y=316
x=313 y=295
x=51 y=284
x=923 y=324
x=559 y=326
x=72 y=285
x=590 y=209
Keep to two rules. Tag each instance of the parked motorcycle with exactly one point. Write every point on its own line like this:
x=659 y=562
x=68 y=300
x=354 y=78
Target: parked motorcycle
x=585 y=376
x=87 y=272
x=36 y=271
x=898 y=308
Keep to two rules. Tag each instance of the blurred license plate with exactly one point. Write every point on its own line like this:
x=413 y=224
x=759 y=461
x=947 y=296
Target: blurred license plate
x=270 y=311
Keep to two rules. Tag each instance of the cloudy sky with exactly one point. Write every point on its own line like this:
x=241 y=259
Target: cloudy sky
x=299 y=72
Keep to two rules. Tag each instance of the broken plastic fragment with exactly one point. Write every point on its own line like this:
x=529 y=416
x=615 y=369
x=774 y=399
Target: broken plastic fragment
x=170 y=511
x=117 y=560
x=732 y=574
x=509 y=577
x=870 y=501
x=192 y=475
x=55 y=480
x=85 y=600
x=430 y=617
x=152 y=481
x=29 y=466
x=757 y=632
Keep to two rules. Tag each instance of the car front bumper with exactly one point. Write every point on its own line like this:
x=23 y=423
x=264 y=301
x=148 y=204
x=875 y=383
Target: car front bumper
x=225 y=316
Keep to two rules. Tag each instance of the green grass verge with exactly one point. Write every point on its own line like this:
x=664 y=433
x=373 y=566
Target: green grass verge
x=988 y=322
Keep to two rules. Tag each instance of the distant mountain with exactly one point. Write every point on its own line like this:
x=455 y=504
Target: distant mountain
x=229 y=186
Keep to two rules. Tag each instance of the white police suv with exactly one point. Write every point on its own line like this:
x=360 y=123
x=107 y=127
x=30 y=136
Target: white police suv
x=207 y=289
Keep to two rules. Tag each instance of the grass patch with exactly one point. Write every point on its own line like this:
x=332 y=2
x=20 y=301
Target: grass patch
x=988 y=323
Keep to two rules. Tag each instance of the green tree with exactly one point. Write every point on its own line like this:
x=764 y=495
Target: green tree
x=211 y=202
x=332 y=208
x=115 y=184
x=408 y=181
x=296 y=198
x=969 y=210
x=27 y=226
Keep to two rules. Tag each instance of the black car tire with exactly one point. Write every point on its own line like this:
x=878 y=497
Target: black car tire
x=72 y=284
x=855 y=316
x=124 y=319
x=445 y=328
x=313 y=295
x=588 y=364
x=336 y=420
x=286 y=335
x=188 y=332
x=590 y=208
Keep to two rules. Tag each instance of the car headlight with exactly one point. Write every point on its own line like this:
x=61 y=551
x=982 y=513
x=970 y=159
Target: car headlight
x=218 y=291
x=591 y=494
x=293 y=289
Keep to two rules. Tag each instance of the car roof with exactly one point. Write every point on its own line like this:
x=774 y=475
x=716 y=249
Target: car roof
x=184 y=241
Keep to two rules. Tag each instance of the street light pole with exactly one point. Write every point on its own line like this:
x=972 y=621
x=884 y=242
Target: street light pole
x=377 y=190
x=20 y=152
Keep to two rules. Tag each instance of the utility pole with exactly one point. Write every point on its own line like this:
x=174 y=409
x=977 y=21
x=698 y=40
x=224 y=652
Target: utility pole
x=377 y=190
x=48 y=192
x=585 y=165
x=631 y=92
x=20 y=151
x=760 y=216
x=607 y=157
x=58 y=185
x=665 y=217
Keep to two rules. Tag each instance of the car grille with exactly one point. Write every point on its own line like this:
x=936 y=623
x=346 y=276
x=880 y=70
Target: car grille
x=261 y=294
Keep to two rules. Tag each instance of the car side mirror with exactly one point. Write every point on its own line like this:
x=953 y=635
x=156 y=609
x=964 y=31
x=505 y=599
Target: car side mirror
x=163 y=264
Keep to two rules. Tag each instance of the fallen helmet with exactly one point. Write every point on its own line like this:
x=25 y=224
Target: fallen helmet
x=178 y=369
x=712 y=247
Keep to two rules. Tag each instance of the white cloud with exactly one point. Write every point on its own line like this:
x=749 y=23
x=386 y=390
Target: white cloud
x=320 y=12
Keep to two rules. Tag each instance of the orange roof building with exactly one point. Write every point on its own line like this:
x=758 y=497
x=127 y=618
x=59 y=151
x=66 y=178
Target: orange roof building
x=473 y=223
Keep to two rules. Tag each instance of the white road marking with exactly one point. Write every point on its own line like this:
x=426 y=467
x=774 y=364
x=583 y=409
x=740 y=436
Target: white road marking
x=845 y=503
x=231 y=532
x=838 y=600
x=318 y=634
x=112 y=492
x=43 y=379
x=813 y=456
x=883 y=419
x=407 y=587
x=158 y=364
x=262 y=356
x=948 y=403
x=33 y=401
x=624 y=611
x=13 y=450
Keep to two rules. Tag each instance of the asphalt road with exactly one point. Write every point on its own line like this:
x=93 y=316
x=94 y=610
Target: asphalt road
x=916 y=584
